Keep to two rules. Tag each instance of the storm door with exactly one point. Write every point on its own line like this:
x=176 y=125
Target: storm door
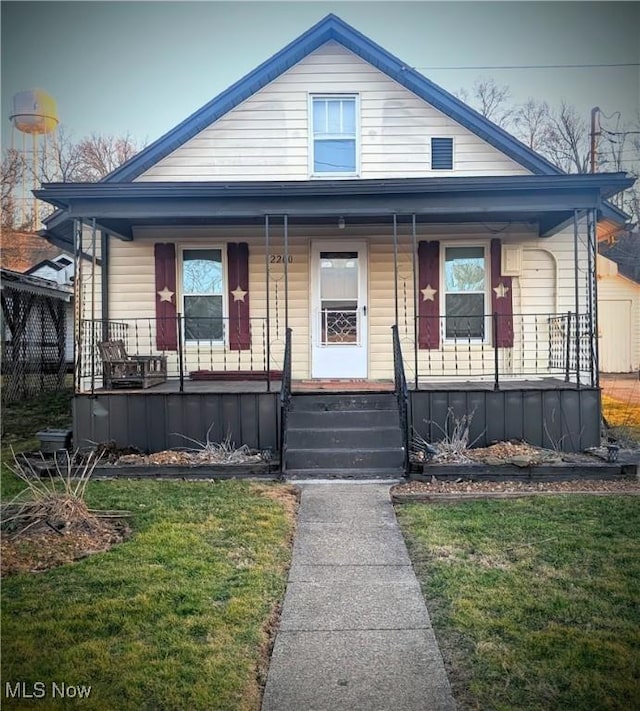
x=339 y=310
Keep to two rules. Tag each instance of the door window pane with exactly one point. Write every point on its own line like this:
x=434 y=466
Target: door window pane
x=339 y=297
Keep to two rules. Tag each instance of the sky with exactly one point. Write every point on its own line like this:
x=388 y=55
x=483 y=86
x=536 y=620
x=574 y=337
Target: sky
x=139 y=68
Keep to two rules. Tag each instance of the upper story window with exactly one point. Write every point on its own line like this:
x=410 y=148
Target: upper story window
x=202 y=293
x=465 y=292
x=334 y=140
x=442 y=154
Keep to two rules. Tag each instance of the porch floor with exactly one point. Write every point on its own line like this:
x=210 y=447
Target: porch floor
x=339 y=386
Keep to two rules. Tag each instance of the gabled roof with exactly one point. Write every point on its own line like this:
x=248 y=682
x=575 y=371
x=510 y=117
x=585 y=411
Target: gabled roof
x=332 y=28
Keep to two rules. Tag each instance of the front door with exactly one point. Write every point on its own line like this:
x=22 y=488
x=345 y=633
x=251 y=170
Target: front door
x=339 y=310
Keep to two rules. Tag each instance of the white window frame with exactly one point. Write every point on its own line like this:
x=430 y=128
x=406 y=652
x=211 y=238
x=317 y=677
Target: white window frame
x=191 y=342
x=487 y=291
x=453 y=155
x=312 y=142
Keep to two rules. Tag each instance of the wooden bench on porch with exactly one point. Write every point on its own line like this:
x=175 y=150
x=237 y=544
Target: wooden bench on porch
x=130 y=371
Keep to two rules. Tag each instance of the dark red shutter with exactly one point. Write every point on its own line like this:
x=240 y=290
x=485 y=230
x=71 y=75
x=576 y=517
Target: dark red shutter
x=166 y=326
x=238 y=269
x=429 y=295
x=501 y=299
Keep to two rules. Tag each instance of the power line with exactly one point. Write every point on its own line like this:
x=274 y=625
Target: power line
x=537 y=66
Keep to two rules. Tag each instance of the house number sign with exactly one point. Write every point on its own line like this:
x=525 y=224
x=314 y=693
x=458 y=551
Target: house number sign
x=279 y=259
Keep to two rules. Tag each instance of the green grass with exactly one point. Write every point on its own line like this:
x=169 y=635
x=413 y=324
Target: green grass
x=536 y=602
x=173 y=618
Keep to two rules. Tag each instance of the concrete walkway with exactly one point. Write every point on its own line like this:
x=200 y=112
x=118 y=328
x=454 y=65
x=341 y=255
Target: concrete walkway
x=355 y=634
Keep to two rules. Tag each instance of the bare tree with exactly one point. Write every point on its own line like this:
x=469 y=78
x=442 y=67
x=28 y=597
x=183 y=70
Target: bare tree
x=101 y=154
x=62 y=161
x=65 y=160
x=13 y=167
x=490 y=100
x=530 y=122
x=566 y=140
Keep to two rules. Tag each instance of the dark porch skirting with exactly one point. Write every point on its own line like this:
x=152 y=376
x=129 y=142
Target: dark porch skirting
x=558 y=418
x=567 y=419
x=154 y=420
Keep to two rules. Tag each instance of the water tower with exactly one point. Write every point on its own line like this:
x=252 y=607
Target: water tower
x=35 y=115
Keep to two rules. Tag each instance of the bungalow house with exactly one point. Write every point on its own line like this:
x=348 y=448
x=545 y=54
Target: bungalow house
x=331 y=253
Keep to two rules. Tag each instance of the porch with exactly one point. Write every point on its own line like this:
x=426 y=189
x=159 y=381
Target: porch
x=488 y=285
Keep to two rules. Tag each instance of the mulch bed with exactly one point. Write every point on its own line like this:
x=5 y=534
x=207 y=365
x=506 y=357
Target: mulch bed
x=442 y=491
x=41 y=549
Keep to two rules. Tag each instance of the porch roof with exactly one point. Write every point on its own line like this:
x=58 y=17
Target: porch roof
x=546 y=200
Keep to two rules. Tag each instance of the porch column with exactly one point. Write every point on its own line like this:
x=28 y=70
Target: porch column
x=576 y=294
x=592 y=241
x=395 y=266
x=77 y=303
x=286 y=272
x=414 y=265
x=268 y=301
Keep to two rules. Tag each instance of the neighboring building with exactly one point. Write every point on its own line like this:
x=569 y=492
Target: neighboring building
x=274 y=238
x=34 y=325
x=619 y=304
x=60 y=270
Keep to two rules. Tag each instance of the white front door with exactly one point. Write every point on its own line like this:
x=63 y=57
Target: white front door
x=339 y=309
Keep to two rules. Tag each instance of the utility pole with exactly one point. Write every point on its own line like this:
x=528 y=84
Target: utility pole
x=595 y=112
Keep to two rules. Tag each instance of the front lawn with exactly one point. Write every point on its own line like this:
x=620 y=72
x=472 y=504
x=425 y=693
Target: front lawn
x=174 y=618
x=536 y=601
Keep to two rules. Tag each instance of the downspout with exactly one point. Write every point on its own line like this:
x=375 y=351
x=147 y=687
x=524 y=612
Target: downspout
x=104 y=286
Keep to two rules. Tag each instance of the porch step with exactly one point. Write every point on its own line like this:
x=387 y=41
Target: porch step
x=322 y=436
x=342 y=435
x=345 y=473
x=319 y=402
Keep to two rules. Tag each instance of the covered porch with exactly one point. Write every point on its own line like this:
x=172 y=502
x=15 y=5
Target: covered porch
x=401 y=327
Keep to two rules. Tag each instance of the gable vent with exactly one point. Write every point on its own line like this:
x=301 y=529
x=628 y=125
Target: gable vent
x=441 y=153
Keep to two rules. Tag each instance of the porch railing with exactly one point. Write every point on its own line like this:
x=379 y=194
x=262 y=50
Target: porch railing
x=207 y=350
x=401 y=392
x=494 y=346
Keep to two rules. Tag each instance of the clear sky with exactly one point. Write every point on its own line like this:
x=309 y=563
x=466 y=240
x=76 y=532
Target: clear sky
x=142 y=67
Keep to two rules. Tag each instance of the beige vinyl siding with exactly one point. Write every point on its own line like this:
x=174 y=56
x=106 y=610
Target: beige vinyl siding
x=267 y=136
x=545 y=286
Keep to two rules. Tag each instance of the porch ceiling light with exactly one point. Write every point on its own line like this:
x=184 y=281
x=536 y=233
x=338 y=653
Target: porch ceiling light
x=341 y=223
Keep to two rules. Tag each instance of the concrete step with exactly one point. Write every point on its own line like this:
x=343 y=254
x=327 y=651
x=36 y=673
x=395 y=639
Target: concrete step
x=343 y=437
x=381 y=458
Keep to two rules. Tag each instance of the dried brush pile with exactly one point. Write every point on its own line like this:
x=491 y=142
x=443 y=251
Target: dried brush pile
x=55 y=502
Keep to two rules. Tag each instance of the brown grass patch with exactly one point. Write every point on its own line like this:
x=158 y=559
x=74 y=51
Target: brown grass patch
x=41 y=549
